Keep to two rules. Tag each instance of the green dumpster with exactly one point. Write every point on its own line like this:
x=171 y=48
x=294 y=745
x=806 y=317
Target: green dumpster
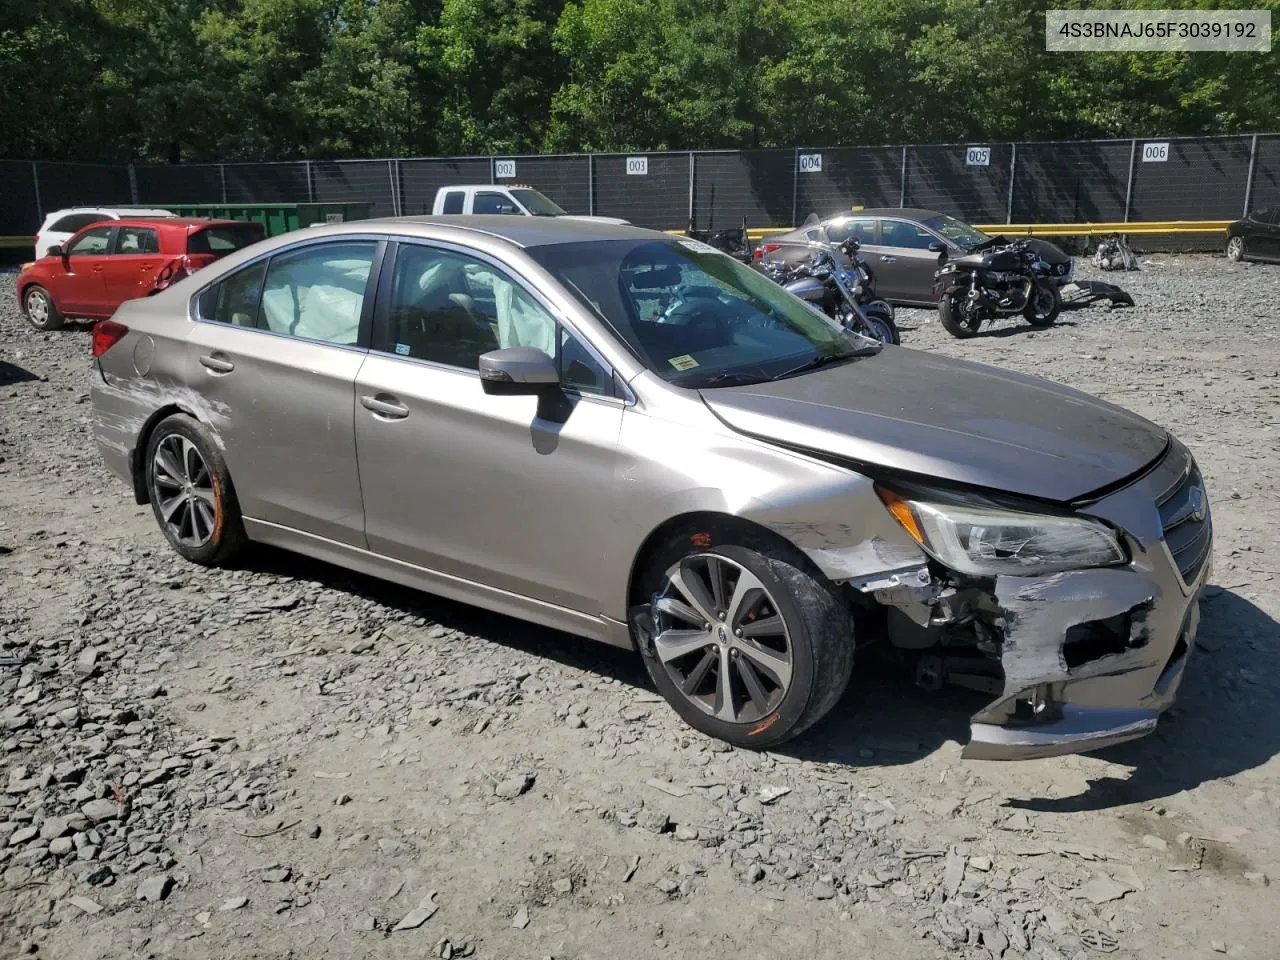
x=276 y=218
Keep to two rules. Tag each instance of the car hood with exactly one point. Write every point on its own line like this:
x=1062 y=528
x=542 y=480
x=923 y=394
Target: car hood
x=616 y=221
x=951 y=420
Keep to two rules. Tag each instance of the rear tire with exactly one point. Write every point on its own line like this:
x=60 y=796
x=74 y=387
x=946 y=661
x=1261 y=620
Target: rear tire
x=880 y=318
x=952 y=319
x=785 y=641
x=191 y=493
x=1044 y=306
x=40 y=310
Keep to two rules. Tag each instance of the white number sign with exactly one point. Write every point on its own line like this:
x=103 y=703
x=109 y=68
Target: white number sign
x=1155 y=153
x=638 y=166
x=977 y=156
x=504 y=169
x=810 y=163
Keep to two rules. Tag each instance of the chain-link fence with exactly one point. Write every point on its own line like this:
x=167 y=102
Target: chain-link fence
x=1100 y=181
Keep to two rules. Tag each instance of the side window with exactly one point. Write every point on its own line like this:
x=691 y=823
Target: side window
x=75 y=221
x=493 y=203
x=449 y=308
x=579 y=370
x=863 y=230
x=91 y=243
x=317 y=293
x=234 y=299
x=899 y=233
x=453 y=201
x=137 y=240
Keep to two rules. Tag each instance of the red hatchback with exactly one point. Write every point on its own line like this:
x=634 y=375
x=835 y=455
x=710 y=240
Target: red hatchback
x=110 y=262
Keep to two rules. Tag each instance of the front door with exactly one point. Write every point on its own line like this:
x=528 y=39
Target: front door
x=274 y=358
x=132 y=267
x=902 y=262
x=511 y=492
x=78 y=288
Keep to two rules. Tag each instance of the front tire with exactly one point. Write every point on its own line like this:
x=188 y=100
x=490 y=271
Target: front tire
x=1044 y=305
x=747 y=646
x=1236 y=249
x=880 y=319
x=191 y=493
x=41 y=312
x=953 y=320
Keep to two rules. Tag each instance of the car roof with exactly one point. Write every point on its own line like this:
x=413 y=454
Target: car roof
x=905 y=213
x=175 y=223
x=123 y=211
x=521 y=231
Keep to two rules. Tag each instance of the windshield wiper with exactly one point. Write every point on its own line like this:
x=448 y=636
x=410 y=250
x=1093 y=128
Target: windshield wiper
x=826 y=360
x=733 y=378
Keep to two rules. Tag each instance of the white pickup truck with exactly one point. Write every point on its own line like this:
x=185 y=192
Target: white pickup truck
x=516 y=199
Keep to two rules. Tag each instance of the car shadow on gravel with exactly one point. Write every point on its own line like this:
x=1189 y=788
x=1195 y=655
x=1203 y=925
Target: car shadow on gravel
x=11 y=373
x=1224 y=722
x=1022 y=327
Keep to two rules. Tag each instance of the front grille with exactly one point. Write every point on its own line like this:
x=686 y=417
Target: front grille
x=1184 y=516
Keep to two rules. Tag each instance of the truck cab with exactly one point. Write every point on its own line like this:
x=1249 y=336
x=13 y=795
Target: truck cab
x=515 y=199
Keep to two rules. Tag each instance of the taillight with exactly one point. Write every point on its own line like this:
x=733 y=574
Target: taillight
x=765 y=249
x=106 y=334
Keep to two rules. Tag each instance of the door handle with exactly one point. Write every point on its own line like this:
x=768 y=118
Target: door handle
x=96 y=269
x=217 y=363
x=887 y=259
x=384 y=405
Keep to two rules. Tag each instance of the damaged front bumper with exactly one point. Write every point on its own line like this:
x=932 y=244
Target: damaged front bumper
x=1092 y=657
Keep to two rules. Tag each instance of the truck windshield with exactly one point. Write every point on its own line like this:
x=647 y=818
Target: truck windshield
x=538 y=204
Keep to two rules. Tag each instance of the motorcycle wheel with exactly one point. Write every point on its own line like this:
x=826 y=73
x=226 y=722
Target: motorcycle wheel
x=1043 y=307
x=880 y=324
x=953 y=320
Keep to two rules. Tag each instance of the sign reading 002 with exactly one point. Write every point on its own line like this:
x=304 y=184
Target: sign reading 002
x=504 y=169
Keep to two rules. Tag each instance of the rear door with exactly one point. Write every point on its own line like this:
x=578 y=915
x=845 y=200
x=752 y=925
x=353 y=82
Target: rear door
x=274 y=354
x=902 y=261
x=132 y=267
x=78 y=285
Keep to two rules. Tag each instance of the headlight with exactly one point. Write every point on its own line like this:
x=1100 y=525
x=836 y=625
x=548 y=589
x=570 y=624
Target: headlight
x=980 y=536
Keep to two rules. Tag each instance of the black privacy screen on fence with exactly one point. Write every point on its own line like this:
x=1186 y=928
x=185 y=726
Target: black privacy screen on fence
x=1099 y=181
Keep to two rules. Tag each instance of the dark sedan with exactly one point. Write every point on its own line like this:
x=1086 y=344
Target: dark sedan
x=1256 y=237
x=901 y=245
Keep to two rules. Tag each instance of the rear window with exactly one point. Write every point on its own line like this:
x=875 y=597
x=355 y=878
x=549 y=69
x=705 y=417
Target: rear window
x=453 y=202
x=74 y=221
x=221 y=240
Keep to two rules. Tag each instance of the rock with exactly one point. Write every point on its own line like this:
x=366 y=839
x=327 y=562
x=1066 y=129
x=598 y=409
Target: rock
x=275 y=874
x=521 y=919
x=1101 y=889
x=86 y=663
x=155 y=889
x=1217 y=946
x=751 y=807
x=684 y=832
x=633 y=713
x=755 y=873
x=574 y=722
x=655 y=821
x=54 y=827
x=771 y=794
x=102 y=810
x=365 y=923
x=514 y=786
x=233 y=903
x=85 y=905
x=980 y=863
x=563 y=885
x=61 y=846
x=416 y=917
x=823 y=891
x=952 y=873
x=1155 y=843
x=667 y=885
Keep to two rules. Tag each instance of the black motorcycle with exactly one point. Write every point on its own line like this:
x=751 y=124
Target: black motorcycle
x=998 y=279
x=843 y=294
x=734 y=241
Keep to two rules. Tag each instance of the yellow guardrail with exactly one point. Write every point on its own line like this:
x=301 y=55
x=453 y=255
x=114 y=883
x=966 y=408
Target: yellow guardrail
x=10 y=242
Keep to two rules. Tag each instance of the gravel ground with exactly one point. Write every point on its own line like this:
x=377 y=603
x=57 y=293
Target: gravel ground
x=290 y=760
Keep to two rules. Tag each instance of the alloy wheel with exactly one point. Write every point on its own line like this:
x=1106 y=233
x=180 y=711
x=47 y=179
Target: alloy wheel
x=721 y=639
x=182 y=487
x=38 y=308
x=1235 y=248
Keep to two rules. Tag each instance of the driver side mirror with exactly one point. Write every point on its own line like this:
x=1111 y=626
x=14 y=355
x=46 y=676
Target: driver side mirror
x=518 y=371
x=938 y=246
x=55 y=251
